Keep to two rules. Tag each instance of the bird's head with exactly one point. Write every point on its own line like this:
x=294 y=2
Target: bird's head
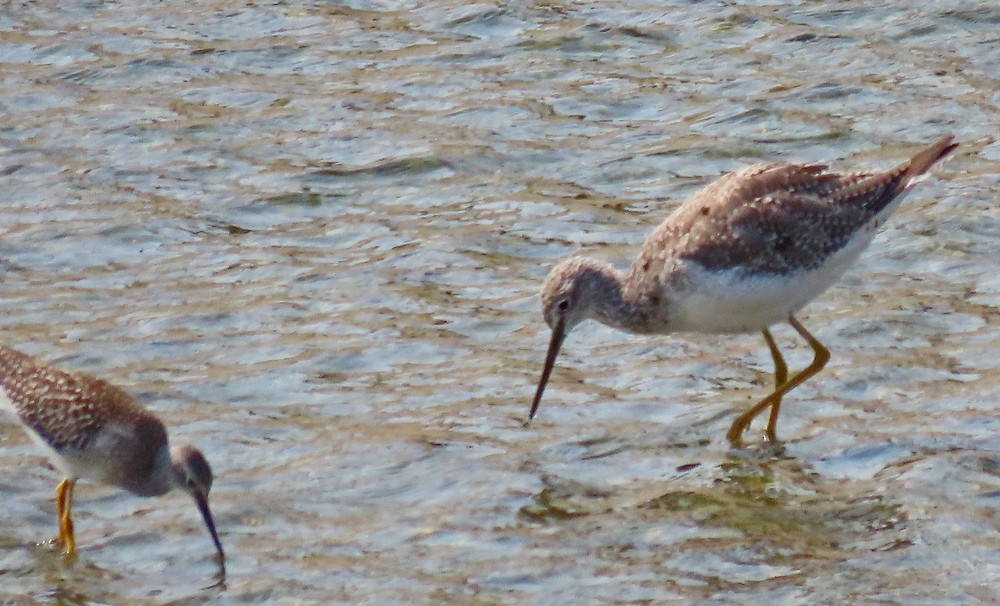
x=572 y=293
x=193 y=475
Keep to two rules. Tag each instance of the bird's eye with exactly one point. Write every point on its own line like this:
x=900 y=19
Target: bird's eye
x=562 y=305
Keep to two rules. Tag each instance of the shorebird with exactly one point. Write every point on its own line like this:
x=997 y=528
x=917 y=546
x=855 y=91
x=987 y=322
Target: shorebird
x=93 y=430
x=746 y=252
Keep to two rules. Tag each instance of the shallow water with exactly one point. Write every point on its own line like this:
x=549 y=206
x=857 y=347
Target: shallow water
x=310 y=236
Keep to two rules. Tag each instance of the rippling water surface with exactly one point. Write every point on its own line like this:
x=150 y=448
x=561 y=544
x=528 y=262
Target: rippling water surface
x=310 y=236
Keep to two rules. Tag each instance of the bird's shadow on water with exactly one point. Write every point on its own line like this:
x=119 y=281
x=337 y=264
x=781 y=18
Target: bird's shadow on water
x=68 y=579
x=761 y=500
x=781 y=505
x=78 y=579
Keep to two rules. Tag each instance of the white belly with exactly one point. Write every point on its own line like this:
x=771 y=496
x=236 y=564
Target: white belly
x=731 y=301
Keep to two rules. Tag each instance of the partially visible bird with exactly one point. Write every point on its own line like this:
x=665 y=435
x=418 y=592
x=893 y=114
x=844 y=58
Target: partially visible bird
x=93 y=430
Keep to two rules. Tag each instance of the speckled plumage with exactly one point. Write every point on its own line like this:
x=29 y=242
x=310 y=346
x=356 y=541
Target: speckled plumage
x=745 y=252
x=776 y=218
x=96 y=431
x=67 y=409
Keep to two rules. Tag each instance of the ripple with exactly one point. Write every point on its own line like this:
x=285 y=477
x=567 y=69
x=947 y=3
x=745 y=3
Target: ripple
x=311 y=237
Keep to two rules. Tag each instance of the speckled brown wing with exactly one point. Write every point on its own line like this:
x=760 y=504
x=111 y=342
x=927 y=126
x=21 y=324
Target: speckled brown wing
x=776 y=218
x=792 y=230
x=61 y=406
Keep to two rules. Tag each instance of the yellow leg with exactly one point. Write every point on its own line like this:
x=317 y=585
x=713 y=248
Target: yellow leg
x=64 y=502
x=780 y=378
x=820 y=358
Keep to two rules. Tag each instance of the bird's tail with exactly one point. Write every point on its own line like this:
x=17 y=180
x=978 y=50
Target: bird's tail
x=920 y=163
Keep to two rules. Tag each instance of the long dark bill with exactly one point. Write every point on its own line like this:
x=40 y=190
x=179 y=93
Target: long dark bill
x=202 y=503
x=558 y=334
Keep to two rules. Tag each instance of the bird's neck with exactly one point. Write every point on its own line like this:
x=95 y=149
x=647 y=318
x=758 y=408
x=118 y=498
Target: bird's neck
x=610 y=301
x=159 y=480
